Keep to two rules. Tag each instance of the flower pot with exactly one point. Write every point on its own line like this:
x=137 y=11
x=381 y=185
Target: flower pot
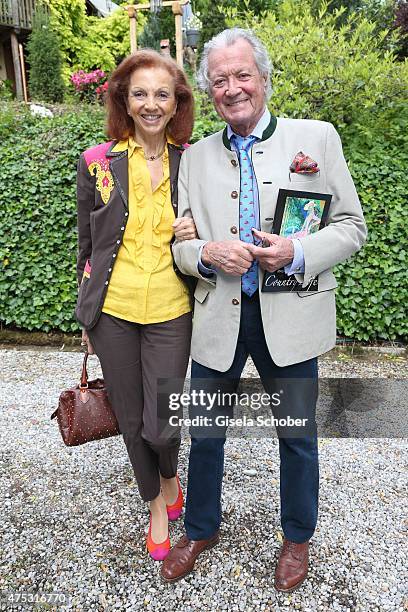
x=193 y=37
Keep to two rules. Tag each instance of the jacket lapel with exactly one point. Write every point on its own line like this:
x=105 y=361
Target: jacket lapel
x=119 y=167
x=174 y=163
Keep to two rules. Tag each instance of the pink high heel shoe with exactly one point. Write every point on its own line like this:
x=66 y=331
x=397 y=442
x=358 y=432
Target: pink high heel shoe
x=174 y=510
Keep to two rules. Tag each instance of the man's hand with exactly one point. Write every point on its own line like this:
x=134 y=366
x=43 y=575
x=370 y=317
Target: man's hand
x=231 y=256
x=276 y=256
x=184 y=228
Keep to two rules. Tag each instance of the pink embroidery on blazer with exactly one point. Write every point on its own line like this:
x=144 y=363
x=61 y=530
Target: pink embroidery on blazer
x=87 y=271
x=98 y=165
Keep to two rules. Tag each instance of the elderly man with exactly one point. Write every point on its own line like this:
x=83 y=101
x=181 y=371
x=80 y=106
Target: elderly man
x=228 y=182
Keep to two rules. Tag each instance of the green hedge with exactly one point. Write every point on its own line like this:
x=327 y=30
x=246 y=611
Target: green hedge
x=38 y=226
x=38 y=222
x=372 y=296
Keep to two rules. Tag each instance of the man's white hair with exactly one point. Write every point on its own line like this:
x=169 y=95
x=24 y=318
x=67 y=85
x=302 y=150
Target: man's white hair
x=226 y=38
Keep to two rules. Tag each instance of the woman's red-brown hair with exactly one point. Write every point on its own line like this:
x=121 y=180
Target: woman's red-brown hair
x=119 y=125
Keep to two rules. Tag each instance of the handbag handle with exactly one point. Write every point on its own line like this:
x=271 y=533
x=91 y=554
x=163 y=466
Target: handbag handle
x=84 y=375
x=83 y=385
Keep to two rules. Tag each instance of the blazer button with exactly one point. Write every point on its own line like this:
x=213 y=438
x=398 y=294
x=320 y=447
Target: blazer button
x=234 y=229
x=234 y=195
x=235 y=301
x=234 y=162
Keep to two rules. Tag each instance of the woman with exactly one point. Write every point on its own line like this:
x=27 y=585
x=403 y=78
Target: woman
x=134 y=308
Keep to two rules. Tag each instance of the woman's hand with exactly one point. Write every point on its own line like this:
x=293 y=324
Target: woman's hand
x=184 y=228
x=86 y=342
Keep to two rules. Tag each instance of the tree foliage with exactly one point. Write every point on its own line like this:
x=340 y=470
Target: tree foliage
x=44 y=59
x=401 y=23
x=68 y=19
x=379 y=11
x=105 y=42
x=323 y=70
x=384 y=14
x=206 y=120
x=88 y=43
x=213 y=14
x=158 y=26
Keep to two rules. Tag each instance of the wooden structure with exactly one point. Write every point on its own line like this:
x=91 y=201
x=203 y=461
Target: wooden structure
x=15 y=24
x=177 y=8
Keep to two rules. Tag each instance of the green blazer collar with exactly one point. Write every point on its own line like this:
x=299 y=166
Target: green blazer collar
x=267 y=133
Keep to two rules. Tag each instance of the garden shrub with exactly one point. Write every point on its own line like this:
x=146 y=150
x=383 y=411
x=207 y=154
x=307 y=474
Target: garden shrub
x=6 y=89
x=44 y=58
x=158 y=26
x=206 y=120
x=105 y=42
x=372 y=296
x=38 y=221
x=88 y=43
x=38 y=216
x=325 y=71
x=89 y=86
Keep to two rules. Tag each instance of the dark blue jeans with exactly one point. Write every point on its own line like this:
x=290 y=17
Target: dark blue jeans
x=299 y=468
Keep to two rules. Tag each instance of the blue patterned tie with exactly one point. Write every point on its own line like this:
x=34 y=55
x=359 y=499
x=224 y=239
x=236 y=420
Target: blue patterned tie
x=249 y=280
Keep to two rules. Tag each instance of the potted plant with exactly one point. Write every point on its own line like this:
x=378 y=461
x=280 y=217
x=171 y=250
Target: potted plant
x=193 y=30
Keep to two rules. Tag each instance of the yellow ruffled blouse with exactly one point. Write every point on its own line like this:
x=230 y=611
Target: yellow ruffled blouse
x=144 y=287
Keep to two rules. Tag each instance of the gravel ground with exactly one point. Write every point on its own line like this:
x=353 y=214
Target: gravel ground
x=72 y=520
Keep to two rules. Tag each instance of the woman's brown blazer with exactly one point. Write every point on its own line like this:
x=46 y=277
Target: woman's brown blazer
x=102 y=200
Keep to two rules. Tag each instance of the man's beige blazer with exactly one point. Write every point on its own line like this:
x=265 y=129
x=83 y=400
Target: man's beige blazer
x=297 y=326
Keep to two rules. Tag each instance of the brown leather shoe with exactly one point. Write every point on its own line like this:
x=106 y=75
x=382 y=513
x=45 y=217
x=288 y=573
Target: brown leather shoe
x=181 y=558
x=292 y=566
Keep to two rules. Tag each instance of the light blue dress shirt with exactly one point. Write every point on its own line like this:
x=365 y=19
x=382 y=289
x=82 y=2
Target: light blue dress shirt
x=298 y=262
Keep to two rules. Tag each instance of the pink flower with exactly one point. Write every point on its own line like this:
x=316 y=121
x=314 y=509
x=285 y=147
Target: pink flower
x=89 y=84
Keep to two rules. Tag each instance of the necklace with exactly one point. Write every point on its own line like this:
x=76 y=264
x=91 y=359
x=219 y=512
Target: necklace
x=153 y=157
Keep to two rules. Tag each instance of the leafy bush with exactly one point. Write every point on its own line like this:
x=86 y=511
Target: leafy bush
x=68 y=20
x=44 y=58
x=12 y=114
x=88 y=43
x=206 y=120
x=88 y=84
x=6 y=89
x=372 y=296
x=38 y=223
x=105 y=42
x=213 y=14
x=325 y=72
x=158 y=26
